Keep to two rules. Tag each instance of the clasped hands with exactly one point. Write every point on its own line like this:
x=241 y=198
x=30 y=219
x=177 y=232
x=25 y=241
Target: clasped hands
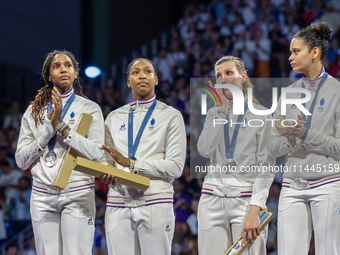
x=296 y=131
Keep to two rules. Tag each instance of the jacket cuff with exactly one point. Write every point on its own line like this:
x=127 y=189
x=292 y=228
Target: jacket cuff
x=254 y=201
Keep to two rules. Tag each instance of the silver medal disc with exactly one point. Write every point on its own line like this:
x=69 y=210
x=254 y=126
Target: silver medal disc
x=230 y=163
x=50 y=158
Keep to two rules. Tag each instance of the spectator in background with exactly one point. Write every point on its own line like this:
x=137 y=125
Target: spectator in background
x=14 y=118
x=290 y=29
x=164 y=66
x=219 y=10
x=278 y=49
x=32 y=250
x=8 y=181
x=201 y=17
x=100 y=243
x=263 y=24
x=333 y=51
x=3 y=212
x=263 y=49
x=3 y=140
x=331 y=17
x=192 y=219
x=20 y=205
x=99 y=99
x=225 y=29
x=182 y=200
x=247 y=50
x=12 y=138
x=176 y=58
x=4 y=156
x=12 y=249
x=239 y=26
x=192 y=185
x=272 y=205
x=89 y=90
x=247 y=13
x=335 y=68
x=181 y=238
x=100 y=199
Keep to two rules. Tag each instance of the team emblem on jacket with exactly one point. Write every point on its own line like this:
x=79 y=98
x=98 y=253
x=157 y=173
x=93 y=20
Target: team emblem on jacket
x=72 y=120
x=293 y=106
x=122 y=127
x=322 y=103
x=167 y=228
x=243 y=125
x=152 y=123
x=90 y=221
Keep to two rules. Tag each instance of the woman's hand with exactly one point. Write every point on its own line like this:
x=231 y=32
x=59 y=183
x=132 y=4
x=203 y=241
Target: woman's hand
x=117 y=156
x=55 y=114
x=251 y=227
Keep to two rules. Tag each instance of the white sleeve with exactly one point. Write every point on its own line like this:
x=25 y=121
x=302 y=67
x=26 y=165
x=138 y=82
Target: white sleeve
x=28 y=148
x=323 y=143
x=88 y=147
x=210 y=136
x=278 y=145
x=107 y=159
x=174 y=156
x=265 y=178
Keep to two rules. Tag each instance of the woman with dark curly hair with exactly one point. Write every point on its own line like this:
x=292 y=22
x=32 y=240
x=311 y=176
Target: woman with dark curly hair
x=310 y=190
x=62 y=219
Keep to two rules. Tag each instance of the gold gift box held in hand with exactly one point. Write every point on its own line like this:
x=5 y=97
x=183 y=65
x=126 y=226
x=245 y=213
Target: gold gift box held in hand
x=73 y=162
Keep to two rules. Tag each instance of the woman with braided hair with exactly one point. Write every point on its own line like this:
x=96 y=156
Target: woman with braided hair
x=62 y=219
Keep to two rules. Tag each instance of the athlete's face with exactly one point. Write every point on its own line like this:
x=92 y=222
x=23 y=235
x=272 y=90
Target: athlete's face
x=62 y=72
x=142 y=80
x=300 y=59
x=227 y=73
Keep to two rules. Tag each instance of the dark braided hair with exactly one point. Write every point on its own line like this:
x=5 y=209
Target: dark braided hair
x=138 y=59
x=317 y=35
x=44 y=94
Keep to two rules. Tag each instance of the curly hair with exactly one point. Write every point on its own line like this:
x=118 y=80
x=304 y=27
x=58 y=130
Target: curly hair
x=317 y=35
x=44 y=94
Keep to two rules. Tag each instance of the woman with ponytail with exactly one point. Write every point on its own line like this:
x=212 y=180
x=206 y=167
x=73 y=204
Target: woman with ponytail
x=62 y=219
x=310 y=190
x=236 y=189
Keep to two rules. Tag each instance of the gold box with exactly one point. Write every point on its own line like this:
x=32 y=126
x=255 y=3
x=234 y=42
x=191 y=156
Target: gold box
x=278 y=125
x=126 y=178
x=67 y=165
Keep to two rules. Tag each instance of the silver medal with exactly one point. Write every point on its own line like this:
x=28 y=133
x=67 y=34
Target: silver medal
x=230 y=163
x=50 y=158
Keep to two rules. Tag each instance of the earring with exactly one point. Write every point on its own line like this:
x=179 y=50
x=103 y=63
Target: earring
x=49 y=78
x=312 y=60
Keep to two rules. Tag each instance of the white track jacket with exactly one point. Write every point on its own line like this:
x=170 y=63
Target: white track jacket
x=160 y=154
x=250 y=151
x=29 y=153
x=318 y=155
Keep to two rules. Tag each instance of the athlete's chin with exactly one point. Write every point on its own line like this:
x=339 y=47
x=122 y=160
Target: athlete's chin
x=296 y=69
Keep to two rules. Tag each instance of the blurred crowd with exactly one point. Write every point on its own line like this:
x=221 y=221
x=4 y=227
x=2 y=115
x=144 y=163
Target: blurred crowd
x=259 y=32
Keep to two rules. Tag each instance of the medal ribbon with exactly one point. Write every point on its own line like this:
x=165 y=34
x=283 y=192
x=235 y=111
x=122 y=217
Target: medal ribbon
x=230 y=148
x=63 y=113
x=133 y=146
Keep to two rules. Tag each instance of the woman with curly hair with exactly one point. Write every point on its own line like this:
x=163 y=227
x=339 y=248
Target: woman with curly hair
x=62 y=219
x=309 y=197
